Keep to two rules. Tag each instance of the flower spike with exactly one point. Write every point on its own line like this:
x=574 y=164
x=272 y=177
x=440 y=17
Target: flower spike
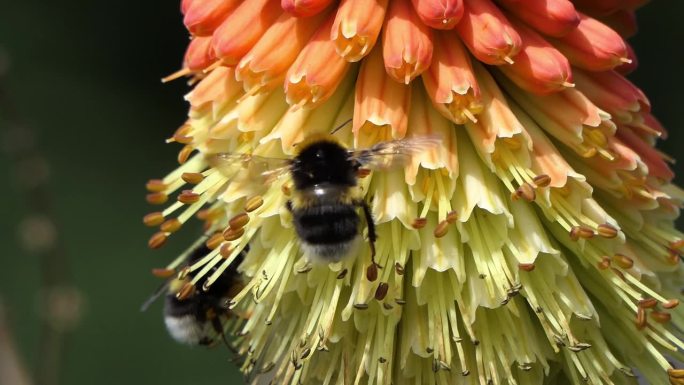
x=499 y=179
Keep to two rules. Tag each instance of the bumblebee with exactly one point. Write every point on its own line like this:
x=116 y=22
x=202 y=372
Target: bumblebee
x=192 y=315
x=326 y=198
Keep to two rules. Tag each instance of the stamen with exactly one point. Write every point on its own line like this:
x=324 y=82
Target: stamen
x=372 y=272
x=526 y=266
x=441 y=229
x=419 y=223
x=661 y=317
x=157 y=198
x=155 y=185
x=231 y=234
x=226 y=250
x=192 y=177
x=188 y=197
x=253 y=203
x=671 y=304
x=362 y=172
x=157 y=240
x=184 y=153
x=153 y=219
x=526 y=192
x=623 y=261
x=186 y=291
x=163 y=273
x=648 y=303
x=171 y=225
x=542 y=180
x=239 y=221
x=176 y=75
x=606 y=230
x=214 y=241
x=381 y=291
x=452 y=216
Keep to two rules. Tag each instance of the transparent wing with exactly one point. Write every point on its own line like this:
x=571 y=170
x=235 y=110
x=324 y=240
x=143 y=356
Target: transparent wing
x=257 y=167
x=393 y=153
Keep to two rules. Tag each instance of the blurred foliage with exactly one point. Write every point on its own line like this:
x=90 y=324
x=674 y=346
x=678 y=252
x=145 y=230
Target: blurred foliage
x=84 y=75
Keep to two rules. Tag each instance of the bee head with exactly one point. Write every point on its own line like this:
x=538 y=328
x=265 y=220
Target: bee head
x=322 y=161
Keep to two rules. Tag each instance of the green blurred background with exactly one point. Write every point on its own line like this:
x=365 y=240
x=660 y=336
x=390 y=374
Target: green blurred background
x=84 y=76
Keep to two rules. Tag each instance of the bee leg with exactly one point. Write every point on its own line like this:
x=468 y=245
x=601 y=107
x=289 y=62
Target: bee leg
x=288 y=205
x=372 y=236
x=218 y=328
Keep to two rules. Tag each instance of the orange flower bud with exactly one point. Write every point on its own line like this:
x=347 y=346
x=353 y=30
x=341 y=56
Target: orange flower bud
x=593 y=46
x=450 y=82
x=406 y=42
x=487 y=33
x=649 y=155
x=379 y=100
x=265 y=65
x=304 y=8
x=600 y=7
x=200 y=54
x=612 y=93
x=203 y=16
x=538 y=67
x=628 y=67
x=439 y=14
x=317 y=71
x=623 y=22
x=550 y=17
x=357 y=26
x=243 y=28
x=185 y=4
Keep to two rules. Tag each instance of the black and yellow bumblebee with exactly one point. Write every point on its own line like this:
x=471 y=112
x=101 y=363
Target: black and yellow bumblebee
x=195 y=316
x=326 y=198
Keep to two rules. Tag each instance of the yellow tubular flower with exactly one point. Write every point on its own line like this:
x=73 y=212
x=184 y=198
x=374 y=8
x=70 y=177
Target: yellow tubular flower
x=535 y=244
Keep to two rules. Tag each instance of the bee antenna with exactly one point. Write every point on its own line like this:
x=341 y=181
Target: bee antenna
x=340 y=126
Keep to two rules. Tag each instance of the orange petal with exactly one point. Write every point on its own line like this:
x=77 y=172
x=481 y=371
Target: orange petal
x=243 y=28
x=200 y=53
x=538 y=67
x=317 y=72
x=203 y=16
x=218 y=87
x=593 y=46
x=487 y=33
x=439 y=14
x=304 y=8
x=612 y=93
x=424 y=121
x=265 y=65
x=357 y=26
x=450 y=82
x=496 y=119
x=406 y=42
x=649 y=155
x=379 y=101
x=550 y=17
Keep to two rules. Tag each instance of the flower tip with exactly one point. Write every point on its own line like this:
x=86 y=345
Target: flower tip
x=176 y=75
x=439 y=14
x=304 y=8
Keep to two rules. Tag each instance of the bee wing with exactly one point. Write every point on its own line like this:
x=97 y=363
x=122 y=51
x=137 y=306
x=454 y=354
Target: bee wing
x=393 y=153
x=267 y=168
x=163 y=288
